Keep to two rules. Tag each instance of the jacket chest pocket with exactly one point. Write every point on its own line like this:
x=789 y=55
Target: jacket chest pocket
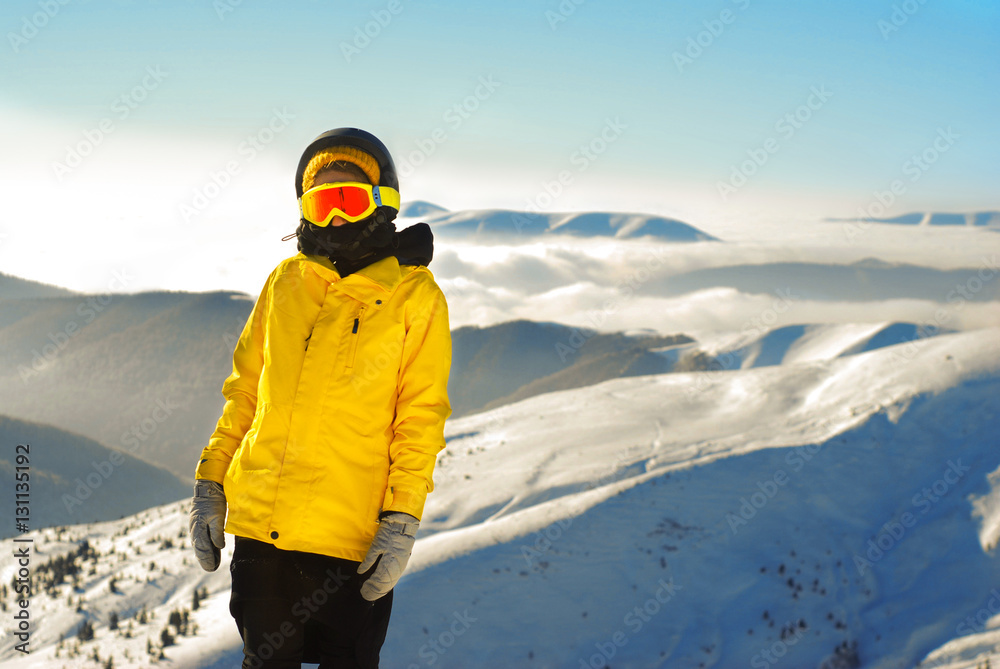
x=355 y=335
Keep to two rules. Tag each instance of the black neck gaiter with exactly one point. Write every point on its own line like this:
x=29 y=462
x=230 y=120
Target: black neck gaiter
x=411 y=246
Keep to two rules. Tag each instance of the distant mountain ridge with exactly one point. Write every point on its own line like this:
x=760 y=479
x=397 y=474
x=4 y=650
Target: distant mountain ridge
x=16 y=288
x=123 y=369
x=864 y=280
x=494 y=224
x=804 y=343
x=74 y=480
x=517 y=359
x=970 y=219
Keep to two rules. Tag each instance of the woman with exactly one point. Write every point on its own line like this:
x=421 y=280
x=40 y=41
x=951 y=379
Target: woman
x=333 y=420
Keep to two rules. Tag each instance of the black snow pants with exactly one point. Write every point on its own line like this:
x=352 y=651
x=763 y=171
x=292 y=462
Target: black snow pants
x=293 y=607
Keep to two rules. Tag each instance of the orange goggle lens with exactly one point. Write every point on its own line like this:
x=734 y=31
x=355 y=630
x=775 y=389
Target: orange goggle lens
x=351 y=201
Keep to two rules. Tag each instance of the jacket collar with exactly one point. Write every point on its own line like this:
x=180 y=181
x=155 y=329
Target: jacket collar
x=371 y=284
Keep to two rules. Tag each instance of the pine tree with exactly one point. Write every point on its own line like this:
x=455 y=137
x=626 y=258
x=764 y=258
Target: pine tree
x=86 y=631
x=113 y=621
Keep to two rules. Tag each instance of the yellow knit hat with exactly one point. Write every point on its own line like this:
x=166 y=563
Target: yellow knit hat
x=349 y=154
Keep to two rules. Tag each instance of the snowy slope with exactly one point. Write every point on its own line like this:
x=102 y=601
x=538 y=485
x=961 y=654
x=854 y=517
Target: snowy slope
x=678 y=520
x=845 y=448
x=154 y=568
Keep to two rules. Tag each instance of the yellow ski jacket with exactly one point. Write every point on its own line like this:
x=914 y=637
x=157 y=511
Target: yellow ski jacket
x=336 y=406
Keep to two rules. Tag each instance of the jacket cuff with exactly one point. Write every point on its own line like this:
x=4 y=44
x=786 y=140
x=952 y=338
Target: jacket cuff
x=211 y=470
x=406 y=501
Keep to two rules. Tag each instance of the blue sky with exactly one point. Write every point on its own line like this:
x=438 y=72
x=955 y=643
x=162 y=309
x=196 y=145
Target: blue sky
x=893 y=76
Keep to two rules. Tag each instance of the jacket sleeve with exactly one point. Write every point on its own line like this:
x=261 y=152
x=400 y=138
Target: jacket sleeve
x=240 y=391
x=422 y=402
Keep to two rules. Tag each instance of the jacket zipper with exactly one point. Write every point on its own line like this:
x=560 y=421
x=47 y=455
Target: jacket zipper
x=354 y=338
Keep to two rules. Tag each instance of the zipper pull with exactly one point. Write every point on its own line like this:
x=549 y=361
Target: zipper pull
x=357 y=321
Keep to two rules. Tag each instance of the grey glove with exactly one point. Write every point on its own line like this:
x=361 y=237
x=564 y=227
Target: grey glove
x=393 y=542
x=208 y=517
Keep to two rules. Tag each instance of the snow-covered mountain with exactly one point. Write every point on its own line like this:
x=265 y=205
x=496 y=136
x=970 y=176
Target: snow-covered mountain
x=510 y=361
x=506 y=224
x=838 y=513
x=974 y=218
x=805 y=343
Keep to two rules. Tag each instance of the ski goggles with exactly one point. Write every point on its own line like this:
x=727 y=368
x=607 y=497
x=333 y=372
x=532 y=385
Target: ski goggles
x=351 y=201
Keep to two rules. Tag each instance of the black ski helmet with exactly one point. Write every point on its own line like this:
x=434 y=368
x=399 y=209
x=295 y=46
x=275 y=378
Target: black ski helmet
x=359 y=139
x=350 y=241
